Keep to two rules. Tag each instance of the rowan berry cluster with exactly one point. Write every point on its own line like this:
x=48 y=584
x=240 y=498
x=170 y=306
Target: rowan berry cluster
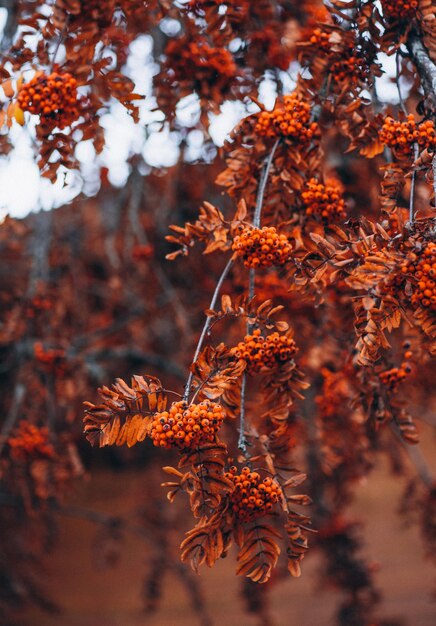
x=252 y=497
x=401 y=135
x=30 y=442
x=320 y=39
x=187 y=426
x=94 y=9
x=53 y=98
x=290 y=119
x=351 y=67
x=393 y=377
x=324 y=201
x=52 y=359
x=262 y=247
x=142 y=252
x=210 y=61
x=270 y=49
x=420 y=267
x=261 y=352
x=399 y=9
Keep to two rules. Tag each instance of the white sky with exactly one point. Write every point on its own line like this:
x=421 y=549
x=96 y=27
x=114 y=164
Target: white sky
x=23 y=190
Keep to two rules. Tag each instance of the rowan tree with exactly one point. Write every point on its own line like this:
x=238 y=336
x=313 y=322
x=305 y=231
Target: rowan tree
x=267 y=309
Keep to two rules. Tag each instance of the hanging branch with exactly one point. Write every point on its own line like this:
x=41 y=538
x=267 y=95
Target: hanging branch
x=207 y=325
x=397 y=82
x=412 y=188
x=14 y=412
x=60 y=41
x=242 y=443
x=415 y=145
x=262 y=185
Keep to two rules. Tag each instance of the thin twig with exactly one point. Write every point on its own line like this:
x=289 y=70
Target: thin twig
x=397 y=82
x=207 y=325
x=59 y=41
x=242 y=442
x=412 y=188
x=262 y=185
x=136 y=197
x=13 y=414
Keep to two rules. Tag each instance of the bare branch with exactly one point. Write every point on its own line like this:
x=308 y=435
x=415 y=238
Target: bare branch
x=207 y=325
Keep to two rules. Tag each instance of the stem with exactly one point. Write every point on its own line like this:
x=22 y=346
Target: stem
x=434 y=176
x=14 y=413
x=59 y=41
x=397 y=82
x=242 y=443
x=412 y=188
x=206 y=326
x=262 y=185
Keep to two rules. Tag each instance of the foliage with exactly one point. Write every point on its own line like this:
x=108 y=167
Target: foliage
x=323 y=212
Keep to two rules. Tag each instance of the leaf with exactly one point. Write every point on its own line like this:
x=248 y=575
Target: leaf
x=258 y=552
x=125 y=415
x=241 y=212
x=226 y=303
x=8 y=88
x=19 y=116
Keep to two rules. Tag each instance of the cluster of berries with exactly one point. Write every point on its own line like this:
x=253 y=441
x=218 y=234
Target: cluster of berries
x=51 y=359
x=400 y=135
x=142 y=252
x=290 y=119
x=208 y=60
x=37 y=304
x=252 y=497
x=421 y=268
x=269 y=48
x=30 y=442
x=351 y=67
x=261 y=352
x=53 y=98
x=393 y=377
x=320 y=38
x=187 y=426
x=324 y=201
x=399 y=9
x=262 y=247
x=94 y=9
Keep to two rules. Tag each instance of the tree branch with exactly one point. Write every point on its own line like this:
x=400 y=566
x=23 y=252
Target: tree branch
x=425 y=66
x=207 y=325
